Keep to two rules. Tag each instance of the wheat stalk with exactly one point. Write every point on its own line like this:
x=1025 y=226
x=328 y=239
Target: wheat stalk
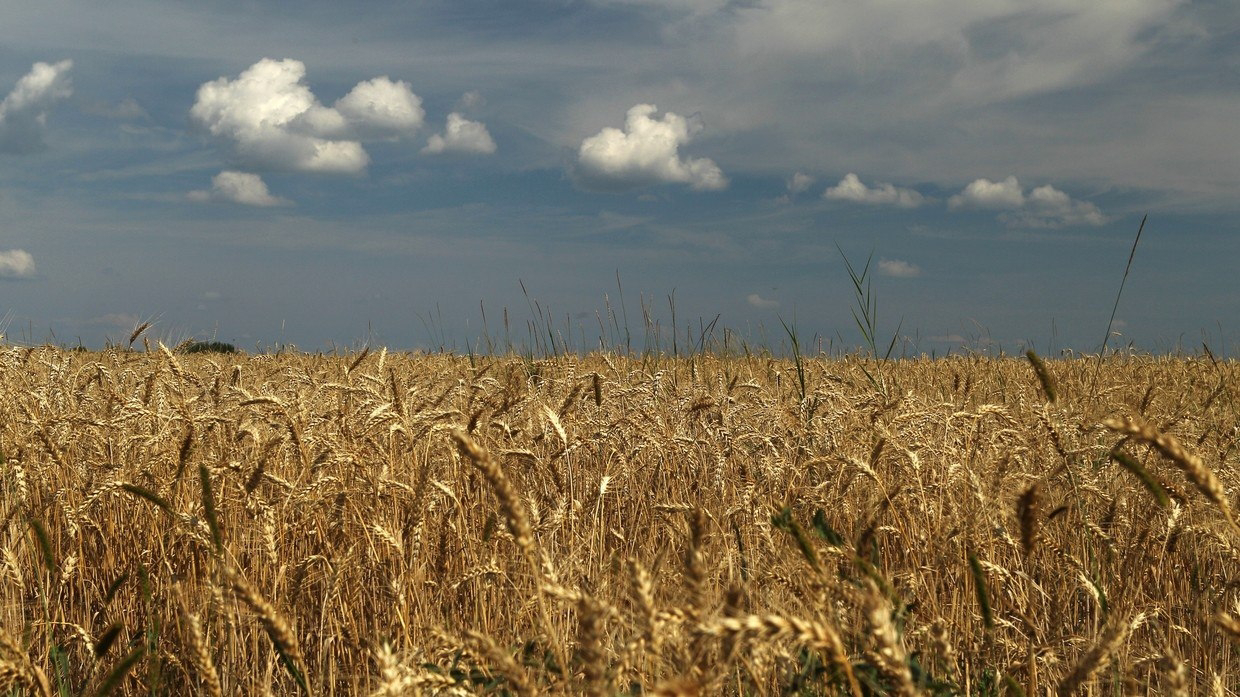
x=1193 y=467
x=1114 y=632
x=278 y=630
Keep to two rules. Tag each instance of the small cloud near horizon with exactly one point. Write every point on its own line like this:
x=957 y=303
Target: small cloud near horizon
x=760 y=302
x=898 y=268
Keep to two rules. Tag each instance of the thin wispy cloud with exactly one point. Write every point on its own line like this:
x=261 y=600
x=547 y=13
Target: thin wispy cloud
x=127 y=109
x=800 y=183
x=472 y=99
x=646 y=152
x=795 y=185
x=24 y=111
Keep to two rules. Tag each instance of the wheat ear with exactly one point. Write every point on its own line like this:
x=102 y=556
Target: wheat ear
x=199 y=655
x=1113 y=634
x=1192 y=465
x=278 y=630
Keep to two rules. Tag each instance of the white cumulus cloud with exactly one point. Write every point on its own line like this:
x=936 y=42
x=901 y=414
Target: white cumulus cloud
x=461 y=135
x=852 y=189
x=983 y=193
x=646 y=152
x=760 y=302
x=16 y=263
x=23 y=113
x=382 y=107
x=238 y=187
x=898 y=268
x=1044 y=207
x=272 y=120
x=1050 y=207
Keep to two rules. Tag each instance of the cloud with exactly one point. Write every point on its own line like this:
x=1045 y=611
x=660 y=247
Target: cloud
x=238 y=187
x=463 y=136
x=16 y=263
x=645 y=152
x=272 y=120
x=897 y=268
x=382 y=107
x=1044 y=207
x=472 y=99
x=760 y=302
x=983 y=193
x=1050 y=207
x=799 y=183
x=127 y=109
x=850 y=188
x=23 y=113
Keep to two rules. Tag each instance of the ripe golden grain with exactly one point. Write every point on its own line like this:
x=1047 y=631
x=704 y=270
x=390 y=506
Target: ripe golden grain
x=1169 y=446
x=638 y=497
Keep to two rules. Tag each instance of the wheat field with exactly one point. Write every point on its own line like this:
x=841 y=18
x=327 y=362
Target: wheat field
x=390 y=524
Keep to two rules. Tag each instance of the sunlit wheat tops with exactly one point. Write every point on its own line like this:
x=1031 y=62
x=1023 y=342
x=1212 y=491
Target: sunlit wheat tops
x=1192 y=465
x=382 y=523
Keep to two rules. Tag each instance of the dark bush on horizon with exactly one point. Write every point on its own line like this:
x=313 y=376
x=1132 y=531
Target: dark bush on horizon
x=210 y=347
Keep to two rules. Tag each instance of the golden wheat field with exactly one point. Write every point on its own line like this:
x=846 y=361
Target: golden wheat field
x=392 y=524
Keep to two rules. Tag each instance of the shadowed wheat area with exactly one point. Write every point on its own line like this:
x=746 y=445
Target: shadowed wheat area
x=382 y=524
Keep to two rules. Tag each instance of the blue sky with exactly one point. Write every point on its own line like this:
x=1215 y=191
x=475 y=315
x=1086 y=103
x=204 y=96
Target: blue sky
x=328 y=175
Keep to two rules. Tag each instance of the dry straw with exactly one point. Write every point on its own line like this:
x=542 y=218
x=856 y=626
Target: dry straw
x=690 y=527
x=277 y=628
x=1193 y=467
x=1114 y=632
x=199 y=652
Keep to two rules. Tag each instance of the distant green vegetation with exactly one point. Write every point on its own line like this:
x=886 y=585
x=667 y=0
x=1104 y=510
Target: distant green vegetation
x=209 y=347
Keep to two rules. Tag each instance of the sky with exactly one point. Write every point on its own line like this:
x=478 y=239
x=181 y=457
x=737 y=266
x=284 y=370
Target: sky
x=329 y=175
